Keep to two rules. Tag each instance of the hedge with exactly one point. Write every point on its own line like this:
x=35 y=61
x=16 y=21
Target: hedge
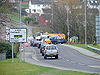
x=6 y=48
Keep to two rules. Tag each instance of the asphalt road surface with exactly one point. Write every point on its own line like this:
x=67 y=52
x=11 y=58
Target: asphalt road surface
x=68 y=58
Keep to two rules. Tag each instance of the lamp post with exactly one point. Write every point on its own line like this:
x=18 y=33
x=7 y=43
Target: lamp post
x=85 y=4
x=20 y=27
x=67 y=8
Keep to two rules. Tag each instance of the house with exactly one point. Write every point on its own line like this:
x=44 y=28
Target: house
x=93 y=4
x=37 y=6
x=12 y=1
x=45 y=19
x=17 y=1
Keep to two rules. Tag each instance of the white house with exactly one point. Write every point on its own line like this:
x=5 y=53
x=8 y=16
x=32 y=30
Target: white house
x=37 y=6
x=93 y=4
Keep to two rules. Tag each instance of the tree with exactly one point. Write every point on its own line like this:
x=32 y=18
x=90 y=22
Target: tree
x=76 y=19
x=5 y=6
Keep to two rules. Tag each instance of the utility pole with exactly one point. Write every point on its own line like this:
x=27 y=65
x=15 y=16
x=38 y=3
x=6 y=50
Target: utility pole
x=52 y=13
x=85 y=4
x=12 y=52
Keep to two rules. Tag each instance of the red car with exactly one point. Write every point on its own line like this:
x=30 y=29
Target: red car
x=26 y=44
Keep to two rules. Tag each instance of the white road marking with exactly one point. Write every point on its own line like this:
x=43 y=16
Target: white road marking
x=94 y=66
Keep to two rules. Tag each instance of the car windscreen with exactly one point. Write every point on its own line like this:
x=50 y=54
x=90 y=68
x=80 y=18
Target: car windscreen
x=51 y=47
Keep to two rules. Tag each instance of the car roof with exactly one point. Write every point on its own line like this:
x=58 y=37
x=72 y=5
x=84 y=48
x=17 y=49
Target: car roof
x=50 y=45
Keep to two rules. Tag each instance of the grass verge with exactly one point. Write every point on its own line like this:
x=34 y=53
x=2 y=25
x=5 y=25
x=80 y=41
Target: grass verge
x=83 y=46
x=15 y=16
x=22 y=68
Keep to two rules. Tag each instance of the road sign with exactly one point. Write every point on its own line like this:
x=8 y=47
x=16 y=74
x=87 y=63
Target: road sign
x=7 y=37
x=74 y=37
x=98 y=29
x=68 y=33
x=18 y=35
x=7 y=29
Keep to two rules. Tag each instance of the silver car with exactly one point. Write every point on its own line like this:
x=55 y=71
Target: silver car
x=50 y=51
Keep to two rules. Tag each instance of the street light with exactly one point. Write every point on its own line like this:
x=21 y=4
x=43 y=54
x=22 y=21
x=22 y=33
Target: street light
x=20 y=27
x=67 y=8
x=85 y=4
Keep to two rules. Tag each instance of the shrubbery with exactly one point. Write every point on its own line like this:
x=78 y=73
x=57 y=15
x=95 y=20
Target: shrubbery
x=6 y=48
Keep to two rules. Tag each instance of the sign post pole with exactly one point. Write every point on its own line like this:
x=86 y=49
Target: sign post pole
x=12 y=52
x=18 y=35
x=20 y=53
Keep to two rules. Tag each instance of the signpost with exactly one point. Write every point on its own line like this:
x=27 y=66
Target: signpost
x=7 y=33
x=17 y=35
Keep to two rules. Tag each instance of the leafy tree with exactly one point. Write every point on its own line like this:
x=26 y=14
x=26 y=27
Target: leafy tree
x=76 y=19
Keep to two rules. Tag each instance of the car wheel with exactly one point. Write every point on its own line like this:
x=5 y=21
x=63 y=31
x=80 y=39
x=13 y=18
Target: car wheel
x=56 y=56
x=45 y=57
x=62 y=43
x=42 y=54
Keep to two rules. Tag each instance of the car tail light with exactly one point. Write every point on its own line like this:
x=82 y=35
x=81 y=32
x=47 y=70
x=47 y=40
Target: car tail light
x=22 y=47
x=42 y=49
x=45 y=51
x=56 y=40
x=57 y=51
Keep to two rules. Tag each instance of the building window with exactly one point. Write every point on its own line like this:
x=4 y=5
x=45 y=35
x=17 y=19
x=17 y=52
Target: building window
x=39 y=5
x=34 y=10
x=38 y=10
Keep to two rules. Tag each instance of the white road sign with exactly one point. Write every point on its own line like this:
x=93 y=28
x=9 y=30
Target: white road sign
x=7 y=37
x=7 y=29
x=18 y=35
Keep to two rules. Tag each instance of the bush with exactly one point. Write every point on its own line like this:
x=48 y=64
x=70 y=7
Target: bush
x=6 y=48
x=27 y=19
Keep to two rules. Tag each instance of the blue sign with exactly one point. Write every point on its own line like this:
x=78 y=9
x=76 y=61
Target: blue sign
x=98 y=29
x=68 y=33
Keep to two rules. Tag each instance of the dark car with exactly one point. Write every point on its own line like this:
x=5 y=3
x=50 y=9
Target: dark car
x=39 y=44
x=35 y=43
x=31 y=42
x=42 y=48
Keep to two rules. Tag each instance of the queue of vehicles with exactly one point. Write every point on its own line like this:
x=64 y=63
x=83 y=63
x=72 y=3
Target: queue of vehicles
x=46 y=42
x=47 y=50
x=51 y=37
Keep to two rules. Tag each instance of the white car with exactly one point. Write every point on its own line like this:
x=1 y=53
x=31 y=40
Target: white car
x=50 y=51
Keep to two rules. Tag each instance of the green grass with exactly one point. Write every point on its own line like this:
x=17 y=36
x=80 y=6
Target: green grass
x=15 y=16
x=96 y=46
x=22 y=68
x=23 y=5
x=83 y=46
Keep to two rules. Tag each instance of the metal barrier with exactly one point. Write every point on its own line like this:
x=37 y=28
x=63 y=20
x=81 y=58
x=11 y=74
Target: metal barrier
x=95 y=49
x=2 y=56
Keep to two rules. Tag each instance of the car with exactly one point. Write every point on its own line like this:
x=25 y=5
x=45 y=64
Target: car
x=26 y=44
x=35 y=43
x=31 y=42
x=39 y=44
x=51 y=51
x=42 y=48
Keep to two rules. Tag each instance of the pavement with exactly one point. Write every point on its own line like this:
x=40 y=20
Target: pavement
x=84 y=51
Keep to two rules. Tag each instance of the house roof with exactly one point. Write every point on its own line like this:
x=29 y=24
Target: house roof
x=46 y=10
x=41 y=1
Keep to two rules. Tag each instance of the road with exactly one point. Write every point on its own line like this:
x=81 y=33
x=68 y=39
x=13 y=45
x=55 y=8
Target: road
x=68 y=59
